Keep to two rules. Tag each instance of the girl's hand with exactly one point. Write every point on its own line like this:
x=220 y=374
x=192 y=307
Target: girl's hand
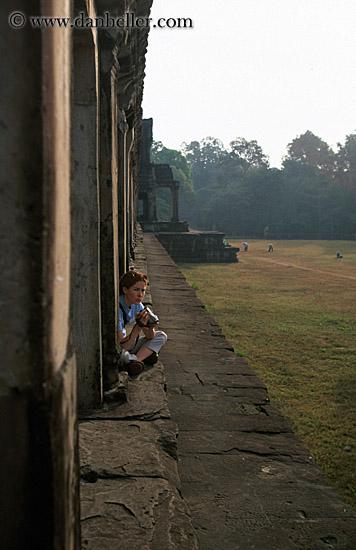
x=142 y=317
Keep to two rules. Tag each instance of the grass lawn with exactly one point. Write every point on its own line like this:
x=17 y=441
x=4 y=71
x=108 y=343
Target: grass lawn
x=292 y=314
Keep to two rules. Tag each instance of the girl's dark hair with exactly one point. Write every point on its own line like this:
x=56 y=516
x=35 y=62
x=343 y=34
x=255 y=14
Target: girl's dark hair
x=129 y=278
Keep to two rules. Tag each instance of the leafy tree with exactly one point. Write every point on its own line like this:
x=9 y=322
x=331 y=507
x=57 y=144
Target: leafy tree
x=204 y=158
x=248 y=154
x=346 y=162
x=311 y=150
x=227 y=210
x=246 y=205
x=215 y=169
x=314 y=205
x=238 y=193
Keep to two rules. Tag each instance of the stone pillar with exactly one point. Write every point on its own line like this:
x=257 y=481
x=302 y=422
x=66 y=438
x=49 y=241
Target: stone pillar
x=108 y=175
x=126 y=195
x=127 y=83
x=38 y=464
x=131 y=206
x=174 y=201
x=86 y=223
x=152 y=205
x=148 y=183
x=123 y=193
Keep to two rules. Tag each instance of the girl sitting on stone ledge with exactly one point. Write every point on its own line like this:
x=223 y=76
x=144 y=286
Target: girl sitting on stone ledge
x=138 y=350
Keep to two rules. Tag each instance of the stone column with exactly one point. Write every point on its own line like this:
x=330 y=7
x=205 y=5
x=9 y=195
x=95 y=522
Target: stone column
x=174 y=201
x=86 y=223
x=131 y=206
x=108 y=176
x=38 y=464
x=152 y=204
x=147 y=178
x=126 y=88
x=123 y=194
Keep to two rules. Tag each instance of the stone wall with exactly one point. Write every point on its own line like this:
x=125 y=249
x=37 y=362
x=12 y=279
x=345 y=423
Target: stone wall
x=198 y=247
x=71 y=126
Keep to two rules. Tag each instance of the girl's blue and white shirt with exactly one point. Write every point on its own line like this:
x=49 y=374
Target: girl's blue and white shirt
x=127 y=314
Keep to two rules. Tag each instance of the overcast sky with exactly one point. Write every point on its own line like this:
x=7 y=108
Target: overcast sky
x=260 y=69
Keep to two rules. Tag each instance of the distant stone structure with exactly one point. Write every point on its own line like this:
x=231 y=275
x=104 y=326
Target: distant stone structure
x=153 y=176
x=198 y=247
x=182 y=244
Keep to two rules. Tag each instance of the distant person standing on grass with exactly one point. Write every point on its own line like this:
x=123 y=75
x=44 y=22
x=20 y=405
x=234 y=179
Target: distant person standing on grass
x=245 y=247
x=270 y=248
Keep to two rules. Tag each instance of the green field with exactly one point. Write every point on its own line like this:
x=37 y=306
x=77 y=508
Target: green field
x=291 y=313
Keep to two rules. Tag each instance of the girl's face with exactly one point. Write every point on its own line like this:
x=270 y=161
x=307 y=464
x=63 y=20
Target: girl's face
x=134 y=294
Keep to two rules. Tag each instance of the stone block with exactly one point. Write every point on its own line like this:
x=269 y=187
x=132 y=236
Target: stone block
x=147 y=398
x=135 y=514
x=111 y=449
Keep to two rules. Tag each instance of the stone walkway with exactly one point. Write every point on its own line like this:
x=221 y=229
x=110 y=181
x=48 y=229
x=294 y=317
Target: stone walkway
x=242 y=479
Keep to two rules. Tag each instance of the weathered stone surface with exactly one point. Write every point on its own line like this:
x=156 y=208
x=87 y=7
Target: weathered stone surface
x=111 y=449
x=189 y=420
x=231 y=380
x=147 y=399
x=282 y=446
x=134 y=514
x=257 y=396
x=119 y=393
x=248 y=503
x=243 y=473
x=130 y=492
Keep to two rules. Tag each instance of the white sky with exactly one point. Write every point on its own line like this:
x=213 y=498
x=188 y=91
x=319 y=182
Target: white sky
x=260 y=69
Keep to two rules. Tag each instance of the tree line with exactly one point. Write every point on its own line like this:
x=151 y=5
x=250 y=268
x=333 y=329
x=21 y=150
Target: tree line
x=234 y=189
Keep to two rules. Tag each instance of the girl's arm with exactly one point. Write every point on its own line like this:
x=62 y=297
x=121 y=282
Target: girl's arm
x=150 y=332
x=128 y=341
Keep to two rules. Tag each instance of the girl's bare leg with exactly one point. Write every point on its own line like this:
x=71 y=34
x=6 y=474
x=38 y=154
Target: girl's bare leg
x=143 y=353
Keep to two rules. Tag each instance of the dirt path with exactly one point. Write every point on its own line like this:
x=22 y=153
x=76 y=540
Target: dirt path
x=308 y=268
